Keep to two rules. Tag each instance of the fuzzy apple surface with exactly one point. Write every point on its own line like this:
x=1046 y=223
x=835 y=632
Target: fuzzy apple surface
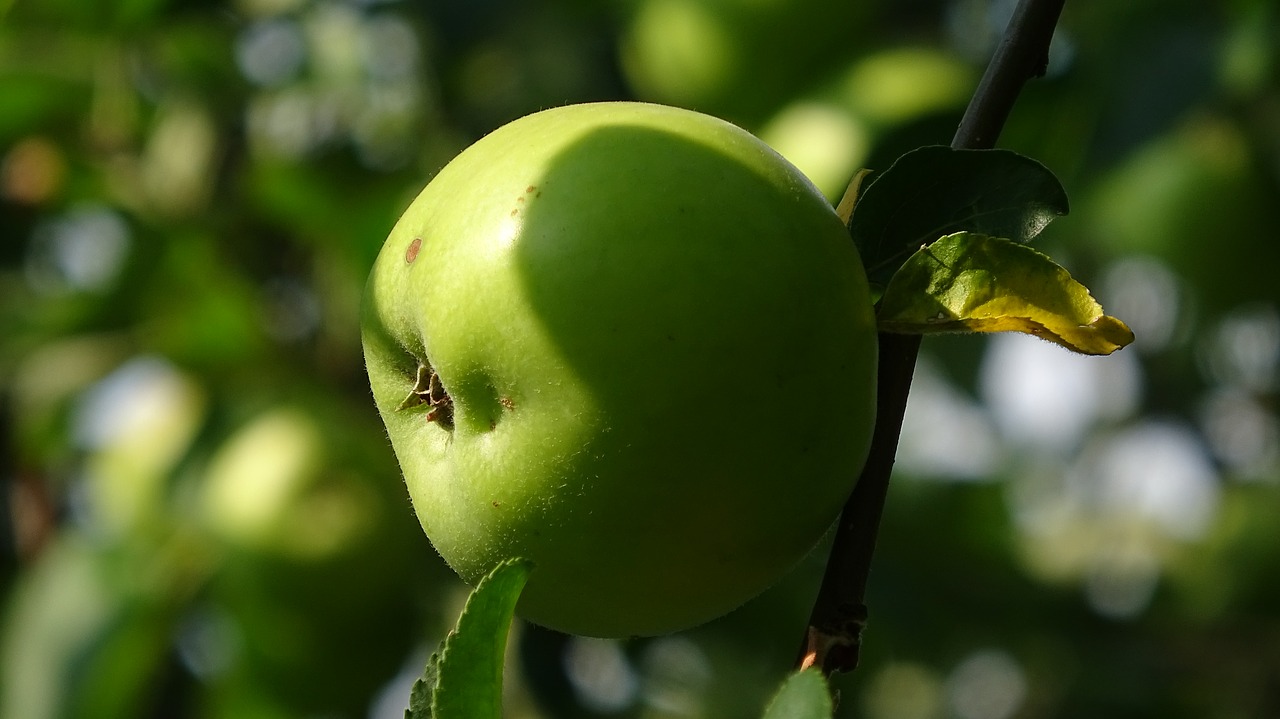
x=632 y=344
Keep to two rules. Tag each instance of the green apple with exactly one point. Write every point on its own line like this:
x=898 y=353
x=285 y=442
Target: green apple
x=632 y=344
x=740 y=59
x=1165 y=200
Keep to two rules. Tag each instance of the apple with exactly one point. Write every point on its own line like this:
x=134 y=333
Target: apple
x=632 y=344
x=740 y=59
x=1198 y=181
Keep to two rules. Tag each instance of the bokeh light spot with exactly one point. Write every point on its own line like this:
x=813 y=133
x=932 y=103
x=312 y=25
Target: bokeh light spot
x=988 y=684
x=601 y=674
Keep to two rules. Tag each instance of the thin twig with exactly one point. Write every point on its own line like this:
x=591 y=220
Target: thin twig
x=833 y=638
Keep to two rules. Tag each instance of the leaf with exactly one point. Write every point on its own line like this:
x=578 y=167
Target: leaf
x=804 y=695
x=424 y=690
x=935 y=191
x=974 y=283
x=849 y=200
x=463 y=680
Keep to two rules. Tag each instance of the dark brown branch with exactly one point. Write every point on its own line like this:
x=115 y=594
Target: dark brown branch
x=833 y=638
x=1023 y=54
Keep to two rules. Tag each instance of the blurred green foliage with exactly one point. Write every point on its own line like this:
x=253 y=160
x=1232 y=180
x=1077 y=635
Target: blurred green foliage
x=202 y=516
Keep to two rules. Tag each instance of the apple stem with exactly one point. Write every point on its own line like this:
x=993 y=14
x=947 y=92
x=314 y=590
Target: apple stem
x=833 y=637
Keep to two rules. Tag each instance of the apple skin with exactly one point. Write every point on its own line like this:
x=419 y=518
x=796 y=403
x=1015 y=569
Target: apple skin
x=659 y=348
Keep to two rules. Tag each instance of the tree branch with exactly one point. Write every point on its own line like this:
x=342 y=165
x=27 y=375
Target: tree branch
x=833 y=638
x=1023 y=54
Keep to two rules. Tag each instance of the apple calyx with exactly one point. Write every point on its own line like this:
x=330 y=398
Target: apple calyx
x=429 y=390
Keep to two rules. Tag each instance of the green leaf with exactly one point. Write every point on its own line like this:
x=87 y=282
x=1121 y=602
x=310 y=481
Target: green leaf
x=424 y=690
x=464 y=679
x=804 y=695
x=935 y=191
x=974 y=283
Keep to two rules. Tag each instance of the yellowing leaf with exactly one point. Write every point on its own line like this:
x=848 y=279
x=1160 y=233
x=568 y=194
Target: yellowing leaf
x=973 y=283
x=851 y=193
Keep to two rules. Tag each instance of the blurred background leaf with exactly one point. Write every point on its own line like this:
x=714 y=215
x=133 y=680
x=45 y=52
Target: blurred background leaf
x=201 y=513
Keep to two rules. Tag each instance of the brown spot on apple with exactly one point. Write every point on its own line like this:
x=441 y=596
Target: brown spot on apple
x=411 y=253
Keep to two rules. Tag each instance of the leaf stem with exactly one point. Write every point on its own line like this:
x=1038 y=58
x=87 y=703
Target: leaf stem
x=833 y=638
